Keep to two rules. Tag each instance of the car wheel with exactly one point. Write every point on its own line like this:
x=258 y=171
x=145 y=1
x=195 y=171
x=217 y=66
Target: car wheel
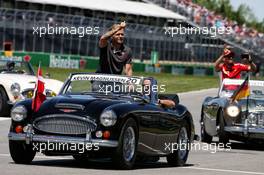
x=204 y=136
x=125 y=154
x=180 y=156
x=4 y=108
x=223 y=136
x=21 y=153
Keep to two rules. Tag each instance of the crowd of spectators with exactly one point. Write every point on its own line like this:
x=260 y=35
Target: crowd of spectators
x=241 y=34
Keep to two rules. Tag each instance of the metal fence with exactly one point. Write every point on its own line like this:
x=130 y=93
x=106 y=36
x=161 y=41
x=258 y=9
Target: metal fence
x=17 y=26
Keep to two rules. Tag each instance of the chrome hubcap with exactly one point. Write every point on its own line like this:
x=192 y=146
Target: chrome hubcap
x=183 y=142
x=202 y=129
x=129 y=142
x=1 y=101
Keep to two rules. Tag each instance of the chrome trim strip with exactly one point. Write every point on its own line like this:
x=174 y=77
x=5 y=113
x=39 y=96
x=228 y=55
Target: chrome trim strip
x=61 y=139
x=242 y=129
x=69 y=106
x=11 y=102
x=63 y=116
x=152 y=149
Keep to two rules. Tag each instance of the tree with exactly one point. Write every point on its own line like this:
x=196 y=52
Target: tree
x=243 y=15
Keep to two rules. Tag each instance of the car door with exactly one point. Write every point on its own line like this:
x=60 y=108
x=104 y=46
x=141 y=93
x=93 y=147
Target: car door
x=167 y=127
x=148 y=120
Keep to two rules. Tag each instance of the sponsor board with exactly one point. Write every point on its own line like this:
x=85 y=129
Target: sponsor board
x=63 y=62
x=106 y=78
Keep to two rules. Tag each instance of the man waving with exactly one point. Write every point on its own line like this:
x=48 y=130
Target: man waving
x=229 y=68
x=114 y=54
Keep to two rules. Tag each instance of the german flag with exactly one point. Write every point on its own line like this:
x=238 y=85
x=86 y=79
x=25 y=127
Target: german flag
x=243 y=90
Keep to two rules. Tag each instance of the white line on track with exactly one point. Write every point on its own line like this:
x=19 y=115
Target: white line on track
x=223 y=170
x=43 y=157
x=191 y=168
x=3 y=118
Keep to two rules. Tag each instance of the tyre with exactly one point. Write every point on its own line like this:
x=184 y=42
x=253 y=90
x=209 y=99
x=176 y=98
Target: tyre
x=180 y=156
x=125 y=154
x=204 y=136
x=21 y=153
x=4 y=107
x=223 y=136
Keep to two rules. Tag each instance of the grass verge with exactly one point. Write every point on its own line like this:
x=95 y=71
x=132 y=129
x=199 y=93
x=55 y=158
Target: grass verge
x=173 y=83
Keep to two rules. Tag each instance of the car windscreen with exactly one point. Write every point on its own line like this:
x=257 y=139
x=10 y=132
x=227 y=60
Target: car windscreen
x=257 y=92
x=15 y=67
x=103 y=84
x=256 y=88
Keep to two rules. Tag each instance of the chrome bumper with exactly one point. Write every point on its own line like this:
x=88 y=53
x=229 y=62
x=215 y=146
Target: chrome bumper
x=29 y=138
x=11 y=103
x=244 y=130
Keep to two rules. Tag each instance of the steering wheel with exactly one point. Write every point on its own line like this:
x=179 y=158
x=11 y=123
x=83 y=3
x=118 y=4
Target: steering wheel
x=20 y=71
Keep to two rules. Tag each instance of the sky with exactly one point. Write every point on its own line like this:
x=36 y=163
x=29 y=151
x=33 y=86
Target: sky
x=257 y=6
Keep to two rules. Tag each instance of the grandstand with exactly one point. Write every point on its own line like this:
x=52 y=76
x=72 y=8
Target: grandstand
x=144 y=33
x=242 y=37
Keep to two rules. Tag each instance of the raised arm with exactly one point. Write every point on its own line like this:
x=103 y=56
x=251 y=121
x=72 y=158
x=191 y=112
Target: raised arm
x=218 y=63
x=128 y=69
x=167 y=103
x=104 y=38
x=253 y=67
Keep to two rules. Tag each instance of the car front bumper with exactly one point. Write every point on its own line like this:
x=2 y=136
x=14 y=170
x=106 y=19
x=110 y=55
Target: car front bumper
x=250 y=132
x=29 y=138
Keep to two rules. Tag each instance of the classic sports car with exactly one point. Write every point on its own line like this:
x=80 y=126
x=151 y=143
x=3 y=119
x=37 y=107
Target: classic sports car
x=114 y=115
x=17 y=82
x=234 y=120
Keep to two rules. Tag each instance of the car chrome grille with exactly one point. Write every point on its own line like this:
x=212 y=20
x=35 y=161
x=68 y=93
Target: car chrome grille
x=260 y=119
x=64 y=124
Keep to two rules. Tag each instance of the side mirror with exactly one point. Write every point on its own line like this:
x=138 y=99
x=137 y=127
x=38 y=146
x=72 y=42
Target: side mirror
x=176 y=99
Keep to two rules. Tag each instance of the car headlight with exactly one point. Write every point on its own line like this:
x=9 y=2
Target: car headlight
x=50 y=93
x=252 y=119
x=18 y=113
x=15 y=89
x=30 y=94
x=232 y=111
x=108 y=118
x=27 y=93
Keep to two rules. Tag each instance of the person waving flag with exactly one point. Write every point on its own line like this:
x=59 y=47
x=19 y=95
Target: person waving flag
x=39 y=92
x=243 y=91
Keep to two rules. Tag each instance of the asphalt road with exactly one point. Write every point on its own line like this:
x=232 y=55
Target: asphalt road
x=241 y=159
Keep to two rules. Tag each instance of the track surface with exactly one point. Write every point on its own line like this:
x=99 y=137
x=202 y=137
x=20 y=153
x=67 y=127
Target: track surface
x=241 y=159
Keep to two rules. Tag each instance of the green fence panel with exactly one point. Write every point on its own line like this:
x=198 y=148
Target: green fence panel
x=139 y=67
x=178 y=70
x=73 y=61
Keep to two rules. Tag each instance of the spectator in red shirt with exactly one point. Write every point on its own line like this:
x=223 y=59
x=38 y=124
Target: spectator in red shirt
x=229 y=69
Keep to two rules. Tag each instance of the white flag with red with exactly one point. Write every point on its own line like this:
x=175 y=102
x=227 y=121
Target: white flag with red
x=39 y=92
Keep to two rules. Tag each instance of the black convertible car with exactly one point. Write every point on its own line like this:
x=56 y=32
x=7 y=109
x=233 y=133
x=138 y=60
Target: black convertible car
x=98 y=115
x=234 y=120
